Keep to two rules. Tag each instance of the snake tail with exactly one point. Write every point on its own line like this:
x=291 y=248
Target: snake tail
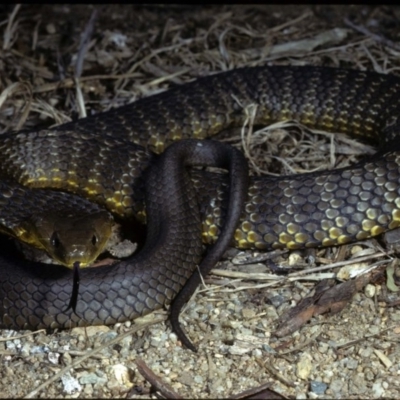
x=35 y=295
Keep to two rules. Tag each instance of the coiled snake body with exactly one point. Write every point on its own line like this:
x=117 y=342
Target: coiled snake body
x=308 y=210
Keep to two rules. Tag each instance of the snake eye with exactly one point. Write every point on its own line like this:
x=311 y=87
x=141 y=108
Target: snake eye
x=54 y=240
x=94 y=240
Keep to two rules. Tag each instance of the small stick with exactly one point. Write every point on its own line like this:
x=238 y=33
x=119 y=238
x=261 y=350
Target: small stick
x=378 y=38
x=156 y=381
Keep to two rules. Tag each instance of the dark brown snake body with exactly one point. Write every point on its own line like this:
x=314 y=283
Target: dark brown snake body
x=34 y=295
x=308 y=210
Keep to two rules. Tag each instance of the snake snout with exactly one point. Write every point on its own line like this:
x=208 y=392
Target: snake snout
x=70 y=240
x=74 y=254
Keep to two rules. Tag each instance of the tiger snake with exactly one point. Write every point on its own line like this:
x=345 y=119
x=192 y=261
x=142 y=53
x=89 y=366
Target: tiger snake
x=104 y=158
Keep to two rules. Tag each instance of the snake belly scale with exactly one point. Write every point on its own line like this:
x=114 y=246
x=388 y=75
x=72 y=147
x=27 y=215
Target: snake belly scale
x=308 y=210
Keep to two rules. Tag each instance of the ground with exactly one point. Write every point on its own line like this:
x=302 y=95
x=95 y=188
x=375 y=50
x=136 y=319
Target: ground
x=50 y=75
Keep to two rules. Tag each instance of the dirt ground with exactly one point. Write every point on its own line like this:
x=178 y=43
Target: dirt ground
x=55 y=68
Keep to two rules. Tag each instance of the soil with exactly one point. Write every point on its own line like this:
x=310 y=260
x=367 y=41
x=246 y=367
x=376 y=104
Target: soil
x=50 y=76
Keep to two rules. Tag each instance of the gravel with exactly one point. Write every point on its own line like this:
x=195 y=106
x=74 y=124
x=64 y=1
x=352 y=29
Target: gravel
x=352 y=354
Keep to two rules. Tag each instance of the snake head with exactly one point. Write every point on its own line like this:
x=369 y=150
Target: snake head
x=71 y=239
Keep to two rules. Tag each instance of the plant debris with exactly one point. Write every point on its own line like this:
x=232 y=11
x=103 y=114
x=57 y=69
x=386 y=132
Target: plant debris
x=53 y=72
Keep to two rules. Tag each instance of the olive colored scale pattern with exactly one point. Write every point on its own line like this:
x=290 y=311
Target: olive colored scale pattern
x=109 y=172
x=34 y=295
x=18 y=206
x=319 y=209
x=304 y=210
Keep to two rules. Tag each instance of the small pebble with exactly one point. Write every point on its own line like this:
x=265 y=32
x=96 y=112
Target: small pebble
x=92 y=378
x=318 y=387
x=70 y=384
x=121 y=373
x=304 y=367
x=54 y=358
x=377 y=389
x=370 y=291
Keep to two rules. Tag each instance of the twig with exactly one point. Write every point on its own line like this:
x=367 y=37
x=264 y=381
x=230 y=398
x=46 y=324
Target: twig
x=378 y=38
x=89 y=354
x=83 y=47
x=343 y=263
x=22 y=336
x=364 y=338
x=260 y=392
x=84 y=43
x=163 y=387
x=300 y=346
x=274 y=372
x=8 y=33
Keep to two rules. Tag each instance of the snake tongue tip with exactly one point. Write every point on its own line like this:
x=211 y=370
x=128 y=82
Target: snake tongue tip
x=75 y=286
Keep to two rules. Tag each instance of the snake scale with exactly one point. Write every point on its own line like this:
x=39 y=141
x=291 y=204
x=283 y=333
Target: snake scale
x=96 y=157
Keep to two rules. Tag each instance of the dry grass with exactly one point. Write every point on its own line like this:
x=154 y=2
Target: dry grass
x=63 y=62
x=51 y=73
x=88 y=62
